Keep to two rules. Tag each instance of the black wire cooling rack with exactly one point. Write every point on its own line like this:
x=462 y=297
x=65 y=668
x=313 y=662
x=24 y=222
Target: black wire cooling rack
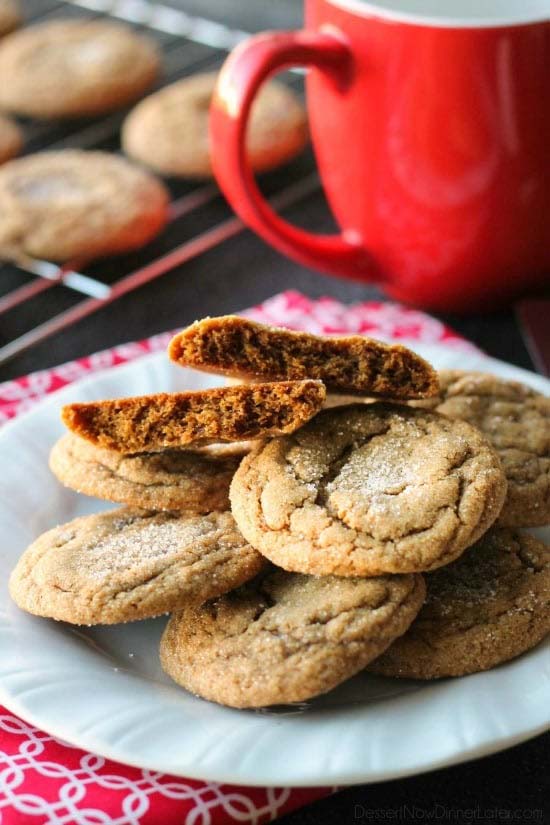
x=199 y=217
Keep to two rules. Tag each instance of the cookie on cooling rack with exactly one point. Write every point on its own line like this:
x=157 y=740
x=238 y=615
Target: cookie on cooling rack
x=75 y=204
x=168 y=131
x=75 y=68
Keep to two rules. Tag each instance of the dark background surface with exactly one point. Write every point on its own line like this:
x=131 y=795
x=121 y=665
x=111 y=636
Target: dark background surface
x=240 y=272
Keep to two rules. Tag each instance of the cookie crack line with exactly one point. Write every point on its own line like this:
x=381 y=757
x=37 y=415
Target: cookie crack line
x=454 y=507
x=131 y=564
x=524 y=610
x=358 y=444
x=215 y=562
x=282 y=634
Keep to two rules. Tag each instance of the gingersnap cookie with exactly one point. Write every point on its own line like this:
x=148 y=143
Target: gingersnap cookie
x=75 y=68
x=168 y=131
x=238 y=347
x=486 y=608
x=76 y=204
x=368 y=489
x=171 y=480
x=516 y=420
x=284 y=637
x=131 y=564
x=173 y=420
x=11 y=139
x=10 y=16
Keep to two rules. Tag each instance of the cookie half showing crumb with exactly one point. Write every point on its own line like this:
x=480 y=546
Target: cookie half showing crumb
x=168 y=131
x=169 y=480
x=369 y=489
x=174 y=420
x=238 y=347
x=131 y=564
x=516 y=420
x=77 y=204
x=75 y=68
x=488 y=607
x=285 y=637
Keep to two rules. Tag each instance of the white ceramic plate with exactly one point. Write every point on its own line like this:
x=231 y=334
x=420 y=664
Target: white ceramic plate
x=103 y=689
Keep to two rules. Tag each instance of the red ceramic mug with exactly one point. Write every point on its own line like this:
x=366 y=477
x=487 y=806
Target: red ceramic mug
x=432 y=136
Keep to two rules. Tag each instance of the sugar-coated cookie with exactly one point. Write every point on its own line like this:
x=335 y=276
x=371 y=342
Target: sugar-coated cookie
x=516 y=420
x=131 y=564
x=75 y=204
x=486 y=608
x=285 y=637
x=73 y=68
x=168 y=131
x=369 y=489
x=170 y=480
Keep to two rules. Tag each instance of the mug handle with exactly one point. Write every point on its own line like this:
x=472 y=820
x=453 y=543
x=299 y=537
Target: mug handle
x=243 y=73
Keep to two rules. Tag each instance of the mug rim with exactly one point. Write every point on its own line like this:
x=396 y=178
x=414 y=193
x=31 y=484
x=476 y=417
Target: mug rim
x=370 y=8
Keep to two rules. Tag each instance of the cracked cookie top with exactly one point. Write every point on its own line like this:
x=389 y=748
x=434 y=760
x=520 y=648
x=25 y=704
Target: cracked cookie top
x=369 y=489
x=170 y=480
x=130 y=564
x=285 y=637
x=487 y=607
x=516 y=420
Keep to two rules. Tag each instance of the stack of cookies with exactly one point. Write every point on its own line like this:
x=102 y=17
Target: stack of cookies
x=288 y=532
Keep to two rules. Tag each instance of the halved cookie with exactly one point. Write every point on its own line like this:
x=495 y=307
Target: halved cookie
x=169 y=480
x=488 y=607
x=131 y=564
x=285 y=637
x=369 y=489
x=184 y=419
x=354 y=364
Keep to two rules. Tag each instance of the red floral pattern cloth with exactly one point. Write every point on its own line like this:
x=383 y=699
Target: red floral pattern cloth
x=44 y=781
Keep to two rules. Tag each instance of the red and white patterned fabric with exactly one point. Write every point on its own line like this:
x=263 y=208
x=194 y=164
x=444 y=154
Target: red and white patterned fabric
x=44 y=781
